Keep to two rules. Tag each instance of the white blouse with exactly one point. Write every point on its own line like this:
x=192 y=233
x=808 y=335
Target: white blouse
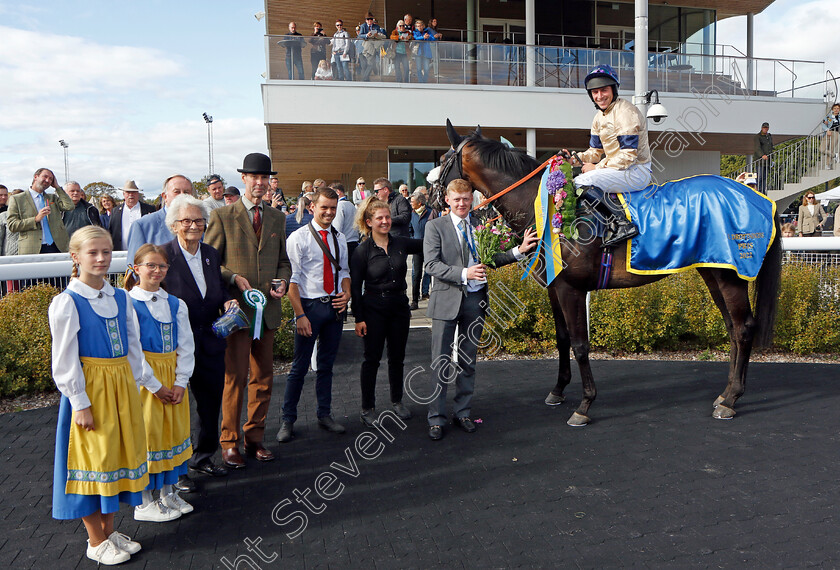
x=156 y=302
x=64 y=324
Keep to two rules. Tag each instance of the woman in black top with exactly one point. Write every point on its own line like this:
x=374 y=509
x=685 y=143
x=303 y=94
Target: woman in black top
x=378 y=267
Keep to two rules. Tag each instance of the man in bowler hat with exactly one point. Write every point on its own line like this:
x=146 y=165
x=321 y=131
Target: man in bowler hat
x=250 y=237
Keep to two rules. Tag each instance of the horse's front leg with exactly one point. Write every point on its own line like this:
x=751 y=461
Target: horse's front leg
x=573 y=303
x=561 y=332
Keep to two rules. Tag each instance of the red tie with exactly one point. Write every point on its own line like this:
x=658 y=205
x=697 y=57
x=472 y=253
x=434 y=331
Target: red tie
x=329 y=280
x=257 y=221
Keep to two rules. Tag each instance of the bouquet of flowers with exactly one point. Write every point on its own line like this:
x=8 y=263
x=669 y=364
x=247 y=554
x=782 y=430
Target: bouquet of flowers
x=492 y=238
x=560 y=186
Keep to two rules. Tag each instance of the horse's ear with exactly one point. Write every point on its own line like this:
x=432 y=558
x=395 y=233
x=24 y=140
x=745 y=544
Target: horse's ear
x=454 y=137
x=478 y=130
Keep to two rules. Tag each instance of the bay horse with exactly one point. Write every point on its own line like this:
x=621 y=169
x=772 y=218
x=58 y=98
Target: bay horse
x=490 y=166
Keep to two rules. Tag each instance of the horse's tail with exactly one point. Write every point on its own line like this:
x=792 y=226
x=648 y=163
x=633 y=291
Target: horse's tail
x=767 y=290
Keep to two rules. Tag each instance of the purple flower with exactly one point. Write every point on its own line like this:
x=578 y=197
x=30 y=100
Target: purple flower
x=557 y=220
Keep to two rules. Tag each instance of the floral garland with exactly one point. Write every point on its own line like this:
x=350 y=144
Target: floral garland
x=559 y=185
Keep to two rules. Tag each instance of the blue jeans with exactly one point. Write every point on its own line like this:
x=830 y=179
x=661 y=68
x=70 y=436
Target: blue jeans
x=327 y=328
x=401 y=67
x=421 y=67
x=341 y=70
x=297 y=73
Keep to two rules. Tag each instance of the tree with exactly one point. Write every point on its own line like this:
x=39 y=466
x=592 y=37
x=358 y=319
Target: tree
x=200 y=189
x=97 y=189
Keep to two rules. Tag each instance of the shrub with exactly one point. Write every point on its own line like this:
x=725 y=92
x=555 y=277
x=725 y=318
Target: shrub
x=25 y=341
x=284 y=337
x=676 y=313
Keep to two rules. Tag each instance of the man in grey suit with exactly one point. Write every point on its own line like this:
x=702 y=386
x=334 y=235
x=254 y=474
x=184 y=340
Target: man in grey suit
x=458 y=299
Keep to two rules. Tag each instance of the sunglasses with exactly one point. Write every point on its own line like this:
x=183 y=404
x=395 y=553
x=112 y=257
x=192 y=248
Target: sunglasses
x=368 y=18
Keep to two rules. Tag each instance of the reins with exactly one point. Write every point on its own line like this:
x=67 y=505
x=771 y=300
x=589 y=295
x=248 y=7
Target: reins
x=513 y=186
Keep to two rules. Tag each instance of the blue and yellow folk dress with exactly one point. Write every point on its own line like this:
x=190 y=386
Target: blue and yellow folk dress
x=168 y=347
x=96 y=358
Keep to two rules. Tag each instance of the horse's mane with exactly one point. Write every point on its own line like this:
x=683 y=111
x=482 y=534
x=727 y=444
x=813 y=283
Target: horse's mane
x=498 y=156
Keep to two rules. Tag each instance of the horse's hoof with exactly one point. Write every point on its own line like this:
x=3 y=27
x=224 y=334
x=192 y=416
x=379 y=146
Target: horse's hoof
x=578 y=420
x=723 y=413
x=554 y=400
x=718 y=401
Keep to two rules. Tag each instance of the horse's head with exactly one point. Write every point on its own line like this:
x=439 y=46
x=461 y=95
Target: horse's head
x=451 y=165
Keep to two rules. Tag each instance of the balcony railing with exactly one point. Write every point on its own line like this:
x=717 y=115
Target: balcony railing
x=463 y=63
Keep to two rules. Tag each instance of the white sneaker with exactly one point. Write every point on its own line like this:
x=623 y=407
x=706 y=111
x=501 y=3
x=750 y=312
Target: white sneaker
x=107 y=553
x=175 y=502
x=156 y=511
x=124 y=543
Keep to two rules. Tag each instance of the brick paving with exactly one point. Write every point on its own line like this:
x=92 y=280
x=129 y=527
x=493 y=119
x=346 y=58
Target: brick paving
x=654 y=481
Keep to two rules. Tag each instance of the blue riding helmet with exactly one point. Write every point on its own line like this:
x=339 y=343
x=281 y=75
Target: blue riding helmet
x=601 y=76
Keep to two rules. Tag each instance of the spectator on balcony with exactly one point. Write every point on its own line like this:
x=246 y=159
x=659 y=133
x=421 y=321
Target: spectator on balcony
x=216 y=190
x=131 y=210
x=400 y=208
x=763 y=149
x=422 y=50
x=811 y=216
x=84 y=213
x=372 y=36
x=831 y=138
x=106 y=206
x=4 y=198
x=341 y=52
x=408 y=19
x=318 y=50
x=324 y=71
x=401 y=37
x=293 y=41
x=433 y=25
x=36 y=216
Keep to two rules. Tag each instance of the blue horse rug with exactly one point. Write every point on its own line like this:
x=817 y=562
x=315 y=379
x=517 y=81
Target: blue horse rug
x=700 y=221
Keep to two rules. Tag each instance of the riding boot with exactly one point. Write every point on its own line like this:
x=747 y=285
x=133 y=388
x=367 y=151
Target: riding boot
x=618 y=227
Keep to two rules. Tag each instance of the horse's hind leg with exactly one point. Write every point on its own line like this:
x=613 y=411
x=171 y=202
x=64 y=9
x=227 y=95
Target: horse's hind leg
x=573 y=303
x=561 y=331
x=740 y=324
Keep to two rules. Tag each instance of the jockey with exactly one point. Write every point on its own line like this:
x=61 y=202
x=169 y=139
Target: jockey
x=618 y=158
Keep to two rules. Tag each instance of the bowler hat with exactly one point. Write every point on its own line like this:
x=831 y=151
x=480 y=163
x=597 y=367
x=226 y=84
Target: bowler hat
x=232 y=191
x=256 y=163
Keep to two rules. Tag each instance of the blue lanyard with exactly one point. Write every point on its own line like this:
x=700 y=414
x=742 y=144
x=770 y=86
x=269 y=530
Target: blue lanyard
x=469 y=243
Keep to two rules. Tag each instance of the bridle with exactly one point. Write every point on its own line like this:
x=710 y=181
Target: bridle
x=438 y=187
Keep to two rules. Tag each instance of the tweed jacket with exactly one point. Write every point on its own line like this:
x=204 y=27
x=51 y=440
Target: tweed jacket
x=231 y=232
x=115 y=225
x=444 y=262
x=807 y=223
x=21 y=219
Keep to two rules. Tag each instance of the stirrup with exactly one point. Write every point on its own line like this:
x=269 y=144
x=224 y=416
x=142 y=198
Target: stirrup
x=618 y=232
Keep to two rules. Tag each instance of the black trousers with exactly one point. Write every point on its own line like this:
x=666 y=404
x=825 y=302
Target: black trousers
x=387 y=318
x=207 y=385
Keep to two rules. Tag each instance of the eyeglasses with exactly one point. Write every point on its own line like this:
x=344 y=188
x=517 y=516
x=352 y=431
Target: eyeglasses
x=186 y=222
x=155 y=266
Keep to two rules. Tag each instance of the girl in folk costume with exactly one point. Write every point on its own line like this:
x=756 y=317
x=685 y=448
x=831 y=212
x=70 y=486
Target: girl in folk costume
x=100 y=450
x=169 y=348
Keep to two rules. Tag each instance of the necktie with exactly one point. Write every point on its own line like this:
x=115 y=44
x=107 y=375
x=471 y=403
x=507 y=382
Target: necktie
x=46 y=234
x=329 y=280
x=257 y=221
x=465 y=251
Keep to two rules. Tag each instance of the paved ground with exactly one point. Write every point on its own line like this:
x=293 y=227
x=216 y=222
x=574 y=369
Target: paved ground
x=652 y=482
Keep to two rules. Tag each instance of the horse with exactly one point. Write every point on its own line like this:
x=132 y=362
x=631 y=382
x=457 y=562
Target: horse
x=490 y=166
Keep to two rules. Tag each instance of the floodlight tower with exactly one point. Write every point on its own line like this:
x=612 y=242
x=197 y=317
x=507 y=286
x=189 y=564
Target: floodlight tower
x=209 y=120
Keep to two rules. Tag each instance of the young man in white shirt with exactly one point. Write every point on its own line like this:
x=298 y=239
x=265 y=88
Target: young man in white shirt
x=318 y=291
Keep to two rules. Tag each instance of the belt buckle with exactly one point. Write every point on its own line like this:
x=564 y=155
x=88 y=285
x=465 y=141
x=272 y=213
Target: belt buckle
x=325 y=299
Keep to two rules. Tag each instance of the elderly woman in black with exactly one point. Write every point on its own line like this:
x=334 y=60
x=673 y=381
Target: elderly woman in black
x=378 y=268
x=196 y=278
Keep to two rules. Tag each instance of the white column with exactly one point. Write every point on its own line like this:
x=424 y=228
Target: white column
x=640 y=55
x=531 y=142
x=750 y=63
x=530 y=42
x=471 y=21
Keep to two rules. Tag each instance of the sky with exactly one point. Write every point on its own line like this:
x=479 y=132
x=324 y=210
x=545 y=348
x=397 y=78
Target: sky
x=125 y=84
